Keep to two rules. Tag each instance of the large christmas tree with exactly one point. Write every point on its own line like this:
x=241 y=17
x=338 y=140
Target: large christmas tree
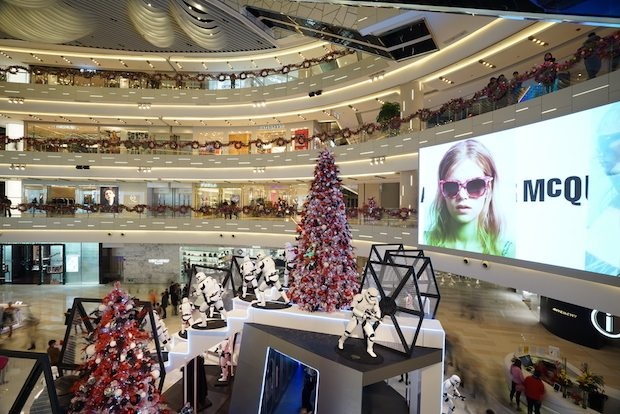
x=119 y=374
x=325 y=276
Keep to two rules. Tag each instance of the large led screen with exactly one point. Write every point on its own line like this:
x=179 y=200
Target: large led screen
x=548 y=192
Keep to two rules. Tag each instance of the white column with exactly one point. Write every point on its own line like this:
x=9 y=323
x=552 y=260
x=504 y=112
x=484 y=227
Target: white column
x=13 y=190
x=409 y=189
x=412 y=99
x=15 y=130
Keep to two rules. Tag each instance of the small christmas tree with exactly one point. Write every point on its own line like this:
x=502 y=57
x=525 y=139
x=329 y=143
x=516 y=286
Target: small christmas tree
x=325 y=276
x=119 y=374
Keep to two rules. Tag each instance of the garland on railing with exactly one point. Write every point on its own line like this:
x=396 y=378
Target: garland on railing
x=376 y=213
x=607 y=47
x=157 y=77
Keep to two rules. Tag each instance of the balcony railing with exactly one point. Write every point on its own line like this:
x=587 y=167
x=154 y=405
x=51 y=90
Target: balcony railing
x=402 y=217
x=541 y=79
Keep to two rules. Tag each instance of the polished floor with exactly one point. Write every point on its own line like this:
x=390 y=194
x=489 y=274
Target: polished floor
x=483 y=322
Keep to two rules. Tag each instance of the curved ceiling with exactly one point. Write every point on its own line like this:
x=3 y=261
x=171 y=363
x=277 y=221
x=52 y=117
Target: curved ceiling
x=173 y=26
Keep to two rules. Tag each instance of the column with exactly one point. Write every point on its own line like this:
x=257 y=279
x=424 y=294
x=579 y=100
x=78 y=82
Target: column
x=412 y=99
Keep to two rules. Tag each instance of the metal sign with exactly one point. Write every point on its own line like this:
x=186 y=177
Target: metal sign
x=604 y=323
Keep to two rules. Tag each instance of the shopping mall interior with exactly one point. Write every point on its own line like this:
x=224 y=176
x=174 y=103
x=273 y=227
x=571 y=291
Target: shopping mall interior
x=145 y=140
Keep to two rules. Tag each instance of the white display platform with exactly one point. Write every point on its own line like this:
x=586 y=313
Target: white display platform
x=431 y=335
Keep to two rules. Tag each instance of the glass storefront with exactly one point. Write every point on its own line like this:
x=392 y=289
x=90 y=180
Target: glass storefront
x=50 y=263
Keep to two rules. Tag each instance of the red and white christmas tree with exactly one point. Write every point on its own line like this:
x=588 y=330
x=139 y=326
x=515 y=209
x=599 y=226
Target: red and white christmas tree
x=325 y=276
x=120 y=373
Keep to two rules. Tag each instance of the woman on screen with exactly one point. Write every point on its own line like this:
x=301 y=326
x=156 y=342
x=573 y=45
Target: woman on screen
x=464 y=215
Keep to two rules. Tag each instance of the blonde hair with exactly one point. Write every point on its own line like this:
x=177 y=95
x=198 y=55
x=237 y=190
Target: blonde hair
x=442 y=226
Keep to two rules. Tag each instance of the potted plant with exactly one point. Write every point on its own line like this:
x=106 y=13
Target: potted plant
x=589 y=384
x=389 y=112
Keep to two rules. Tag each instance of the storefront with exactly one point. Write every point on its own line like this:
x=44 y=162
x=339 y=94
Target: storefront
x=53 y=263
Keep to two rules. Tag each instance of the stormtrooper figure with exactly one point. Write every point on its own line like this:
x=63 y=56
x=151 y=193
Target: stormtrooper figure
x=290 y=254
x=162 y=333
x=229 y=352
x=365 y=311
x=211 y=292
x=185 y=309
x=267 y=268
x=249 y=275
x=450 y=392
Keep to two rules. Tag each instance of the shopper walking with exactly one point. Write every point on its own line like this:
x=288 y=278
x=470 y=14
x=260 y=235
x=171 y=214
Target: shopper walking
x=6 y=205
x=534 y=392
x=8 y=318
x=164 y=303
x=31 y=323
x=517 y=382
x=175 y=297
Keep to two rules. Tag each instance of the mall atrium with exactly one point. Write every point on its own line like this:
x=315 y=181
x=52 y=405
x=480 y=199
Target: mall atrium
x=141 y=138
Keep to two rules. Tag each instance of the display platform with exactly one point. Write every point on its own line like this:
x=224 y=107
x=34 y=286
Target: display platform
x=355 y=350
x=341 y=381
x=272 y=305
x=211 y=324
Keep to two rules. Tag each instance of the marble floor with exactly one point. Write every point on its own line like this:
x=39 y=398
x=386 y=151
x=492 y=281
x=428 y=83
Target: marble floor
x=483 y=322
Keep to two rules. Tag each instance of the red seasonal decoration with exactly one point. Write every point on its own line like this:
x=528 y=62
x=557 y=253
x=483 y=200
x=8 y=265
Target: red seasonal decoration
x=120 y=373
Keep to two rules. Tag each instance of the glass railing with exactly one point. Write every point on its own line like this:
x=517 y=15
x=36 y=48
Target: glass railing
x=402 y=217
x=256 y=78
x=539 y=80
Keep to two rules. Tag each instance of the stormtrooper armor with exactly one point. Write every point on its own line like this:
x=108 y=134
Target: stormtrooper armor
x=248 y=272
x=289 y=256
x=267 y=268
x=229 y=352
x=211 y=292
x=162 y=333
x=185 y=309
x=365 y=311
x=450 y=392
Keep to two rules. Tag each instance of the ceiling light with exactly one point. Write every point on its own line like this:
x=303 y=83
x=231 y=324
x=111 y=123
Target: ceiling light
x=16 y=100
x=377 y=160
x=377 y=76
x=538 y=41
x=487 y=64
x=17 y=167
x=446 y=80
x=144 y=170
x=144 y=105
x=258 y=170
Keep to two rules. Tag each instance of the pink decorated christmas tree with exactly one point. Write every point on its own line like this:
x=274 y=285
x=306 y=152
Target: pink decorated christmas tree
x=325 y=276
x=120 y=373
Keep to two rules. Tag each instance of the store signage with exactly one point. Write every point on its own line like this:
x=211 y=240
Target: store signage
x=572 y=322
x=604 y=323
x=159 y=262
x=271 y=126
x=563 y=312
x=208 y=185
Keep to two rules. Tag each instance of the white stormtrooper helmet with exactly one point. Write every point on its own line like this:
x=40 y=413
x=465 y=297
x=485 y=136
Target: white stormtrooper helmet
x=185 y=300
x=372 y=294
x=455 y=380
x=260 y=256
x=200 y=277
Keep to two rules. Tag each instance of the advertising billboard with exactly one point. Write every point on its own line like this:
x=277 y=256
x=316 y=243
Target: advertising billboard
x=547 y=192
